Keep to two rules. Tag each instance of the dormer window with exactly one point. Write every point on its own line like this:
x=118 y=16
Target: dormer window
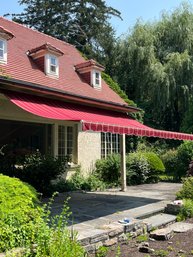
x=96 y=79
x=51 y=67
x=5 y=35
x=90 y=71
x=47 y=58
x=3 y=50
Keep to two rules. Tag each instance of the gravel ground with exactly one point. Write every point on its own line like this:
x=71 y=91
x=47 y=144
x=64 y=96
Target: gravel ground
x=181 y=245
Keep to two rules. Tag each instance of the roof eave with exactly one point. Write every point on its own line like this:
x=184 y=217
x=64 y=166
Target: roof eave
x=27 y=86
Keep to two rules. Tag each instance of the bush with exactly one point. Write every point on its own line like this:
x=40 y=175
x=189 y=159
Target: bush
x=108 y=170
x=137 y=168
x=143 y=167
x=186 y=192
x=19 y=213
x=170 y=160
x=79 y=182
x=185 y=155
x=38 y=170
x=156 y=166
x=24 y=224
x=186 y=211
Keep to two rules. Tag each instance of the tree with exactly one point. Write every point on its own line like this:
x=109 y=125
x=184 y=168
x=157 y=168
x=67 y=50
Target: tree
x=83 y=23
x=155 y=67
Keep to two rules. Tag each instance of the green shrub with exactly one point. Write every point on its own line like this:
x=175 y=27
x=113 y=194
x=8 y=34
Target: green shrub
x=170 y=160
x=186 y=211
x=38 y=170
x=186 y=192
x=137 y=168
x=19 y=213
x=108 y=170
x=143 y=167
x=185 y=155
x=79 y=182
x=156 y=166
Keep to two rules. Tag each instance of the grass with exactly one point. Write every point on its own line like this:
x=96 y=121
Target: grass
x=142 y=238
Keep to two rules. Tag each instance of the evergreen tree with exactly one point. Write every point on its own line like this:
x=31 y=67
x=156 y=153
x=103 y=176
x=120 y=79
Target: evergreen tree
x=83 y=23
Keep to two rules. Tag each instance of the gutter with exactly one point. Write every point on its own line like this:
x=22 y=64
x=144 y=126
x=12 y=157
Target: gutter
x=19 y=84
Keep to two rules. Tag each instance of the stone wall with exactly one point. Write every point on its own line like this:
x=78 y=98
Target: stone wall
x=89 y=150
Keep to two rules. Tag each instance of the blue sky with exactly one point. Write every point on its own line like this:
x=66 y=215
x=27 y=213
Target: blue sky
x=131 y=10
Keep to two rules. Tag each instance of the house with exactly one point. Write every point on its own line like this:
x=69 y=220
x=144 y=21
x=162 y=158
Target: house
x=39 y=72
x=53 y=100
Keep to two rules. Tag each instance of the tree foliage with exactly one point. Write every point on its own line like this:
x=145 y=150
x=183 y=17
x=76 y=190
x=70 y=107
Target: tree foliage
x=83 y=23
x=155 y=67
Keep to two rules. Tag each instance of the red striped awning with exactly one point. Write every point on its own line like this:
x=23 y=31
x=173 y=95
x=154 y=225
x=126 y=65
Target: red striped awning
x=92 y=119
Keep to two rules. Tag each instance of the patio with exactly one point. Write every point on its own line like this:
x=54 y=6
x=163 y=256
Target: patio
x=94 y=213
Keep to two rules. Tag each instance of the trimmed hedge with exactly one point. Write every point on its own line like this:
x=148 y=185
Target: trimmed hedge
x=19 y=213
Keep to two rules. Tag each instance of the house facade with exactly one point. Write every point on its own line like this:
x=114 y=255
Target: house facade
x=50 y=95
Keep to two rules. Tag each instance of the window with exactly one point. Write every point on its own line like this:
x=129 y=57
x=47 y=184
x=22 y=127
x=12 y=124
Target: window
x=3 y=51
x=65 y=141
x=110 y=143
x=51 y=65
x=96 y=79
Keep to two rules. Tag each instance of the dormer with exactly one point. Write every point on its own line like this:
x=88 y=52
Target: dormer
x=5 y=35
x=46 y=57
x=90 y=71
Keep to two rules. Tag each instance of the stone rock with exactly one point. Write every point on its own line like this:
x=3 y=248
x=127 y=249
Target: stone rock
x=98 y=238
x=122 y=237
x=181 y=227
x=110 y=242
x=162 y=234
x=116 y=232
x=144 y=244
x=181 y=251
x=145 y=249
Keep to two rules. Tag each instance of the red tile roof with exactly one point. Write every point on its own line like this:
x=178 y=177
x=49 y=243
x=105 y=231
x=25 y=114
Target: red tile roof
x=21 y=67
x=9 y=34
x=46 y=46
x=89 y=63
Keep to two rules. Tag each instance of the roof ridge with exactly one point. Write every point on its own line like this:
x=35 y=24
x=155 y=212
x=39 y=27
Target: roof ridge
x=34 y=30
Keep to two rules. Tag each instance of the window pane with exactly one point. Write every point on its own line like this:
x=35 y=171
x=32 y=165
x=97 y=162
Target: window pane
x=53 y=68
x=69 y=142
x=53 y=61
x=1 y=54
x=97 y=78
x=1 y=44
x=110 y=143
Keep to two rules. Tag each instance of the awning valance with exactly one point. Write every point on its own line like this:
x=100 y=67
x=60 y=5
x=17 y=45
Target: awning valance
x=92 y=119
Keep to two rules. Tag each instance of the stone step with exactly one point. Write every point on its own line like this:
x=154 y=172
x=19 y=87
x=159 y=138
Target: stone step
x=160 y=220
x=148 y=210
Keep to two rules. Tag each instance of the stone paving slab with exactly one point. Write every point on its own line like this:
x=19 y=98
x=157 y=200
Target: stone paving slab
x=181 y=227
x=160 y=220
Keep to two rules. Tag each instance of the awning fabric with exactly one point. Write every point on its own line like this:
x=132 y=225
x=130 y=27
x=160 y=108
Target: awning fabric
x=92 y=119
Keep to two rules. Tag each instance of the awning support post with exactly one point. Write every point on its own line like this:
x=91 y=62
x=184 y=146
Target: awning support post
x=123 y=164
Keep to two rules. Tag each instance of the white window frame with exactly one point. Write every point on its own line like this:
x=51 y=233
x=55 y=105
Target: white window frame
x=94 y=79
x=110 y=144
x=65 y=143
x=4 y=58
x=48 y=65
